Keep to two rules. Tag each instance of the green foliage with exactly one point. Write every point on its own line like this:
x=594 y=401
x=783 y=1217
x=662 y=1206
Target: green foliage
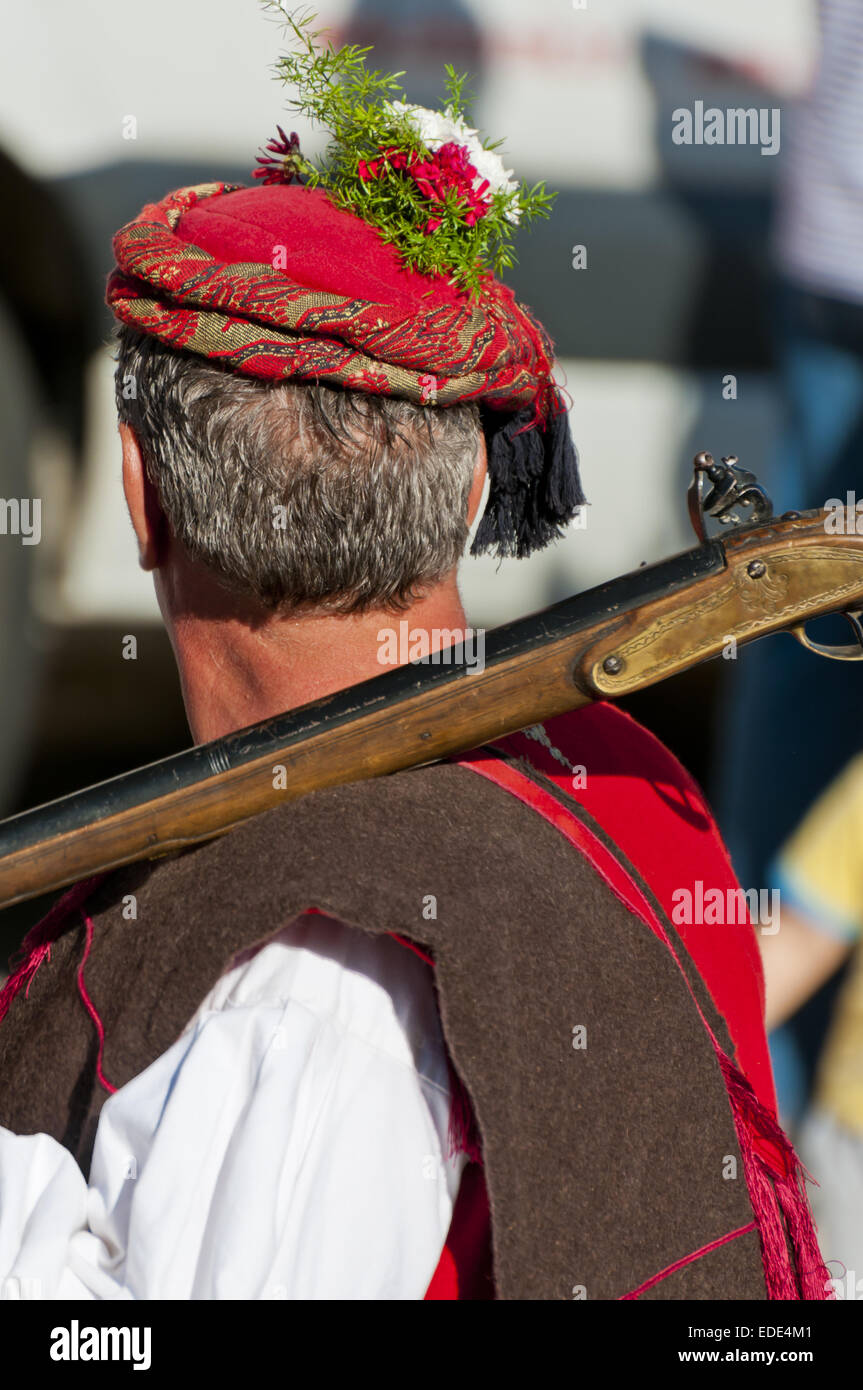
x=336 y=90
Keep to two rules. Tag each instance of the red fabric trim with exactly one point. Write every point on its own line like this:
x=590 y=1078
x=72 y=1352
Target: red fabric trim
x=687 y=1260
x=464 y=1270
x=91 y=1007
x=36 y=946
x=412 y=946
x=651 y=807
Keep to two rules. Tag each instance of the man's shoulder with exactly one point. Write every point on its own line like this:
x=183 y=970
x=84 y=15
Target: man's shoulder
x=439 y=813
x=378 y=837
x=619 y=744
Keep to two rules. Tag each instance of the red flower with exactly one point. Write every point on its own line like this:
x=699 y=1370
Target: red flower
x=448 y=170
x=284 y=162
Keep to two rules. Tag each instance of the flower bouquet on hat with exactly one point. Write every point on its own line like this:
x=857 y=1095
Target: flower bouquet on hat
x=423 y=178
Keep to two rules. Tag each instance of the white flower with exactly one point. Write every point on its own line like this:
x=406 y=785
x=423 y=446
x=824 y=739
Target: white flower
x=436 y=128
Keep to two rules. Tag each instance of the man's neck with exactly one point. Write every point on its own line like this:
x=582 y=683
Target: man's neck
x=236 y=672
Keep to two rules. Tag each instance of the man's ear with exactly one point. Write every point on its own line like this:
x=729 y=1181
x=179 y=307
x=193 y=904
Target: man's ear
x=148 y=519
x=479 y=476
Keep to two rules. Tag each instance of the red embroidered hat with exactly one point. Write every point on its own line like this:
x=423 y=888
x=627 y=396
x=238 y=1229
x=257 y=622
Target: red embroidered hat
x=372 y=275
x=278 y=282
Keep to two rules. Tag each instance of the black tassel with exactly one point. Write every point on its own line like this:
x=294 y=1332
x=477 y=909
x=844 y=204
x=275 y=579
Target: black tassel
x=535 y=487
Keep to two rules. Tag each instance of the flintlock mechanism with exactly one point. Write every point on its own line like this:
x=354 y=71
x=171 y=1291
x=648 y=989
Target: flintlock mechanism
x=733 y=489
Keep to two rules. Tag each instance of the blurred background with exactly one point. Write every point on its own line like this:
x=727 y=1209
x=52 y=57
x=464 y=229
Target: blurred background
x=700 y=297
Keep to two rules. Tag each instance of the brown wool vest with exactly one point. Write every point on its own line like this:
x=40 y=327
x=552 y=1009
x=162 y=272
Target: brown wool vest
x=604 y=1164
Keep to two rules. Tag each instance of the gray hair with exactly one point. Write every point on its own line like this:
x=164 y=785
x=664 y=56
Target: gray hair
x=301 y=495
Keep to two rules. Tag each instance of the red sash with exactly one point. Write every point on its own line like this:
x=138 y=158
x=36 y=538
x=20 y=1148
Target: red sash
x=655 y=813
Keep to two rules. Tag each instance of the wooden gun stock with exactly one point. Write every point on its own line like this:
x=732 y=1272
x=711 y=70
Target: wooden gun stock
x=617 y=638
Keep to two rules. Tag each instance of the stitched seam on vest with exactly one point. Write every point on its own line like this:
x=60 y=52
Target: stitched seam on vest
x=688 y=1260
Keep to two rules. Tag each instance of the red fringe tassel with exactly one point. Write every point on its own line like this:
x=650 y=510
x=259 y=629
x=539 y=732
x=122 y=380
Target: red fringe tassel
x=793 y=1267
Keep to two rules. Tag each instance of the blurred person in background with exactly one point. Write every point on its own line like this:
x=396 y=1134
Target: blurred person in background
x=783 y=709
x=819 y=874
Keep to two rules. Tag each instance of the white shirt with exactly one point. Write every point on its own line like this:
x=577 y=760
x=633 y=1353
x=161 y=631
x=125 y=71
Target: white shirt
x=291 y=1144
